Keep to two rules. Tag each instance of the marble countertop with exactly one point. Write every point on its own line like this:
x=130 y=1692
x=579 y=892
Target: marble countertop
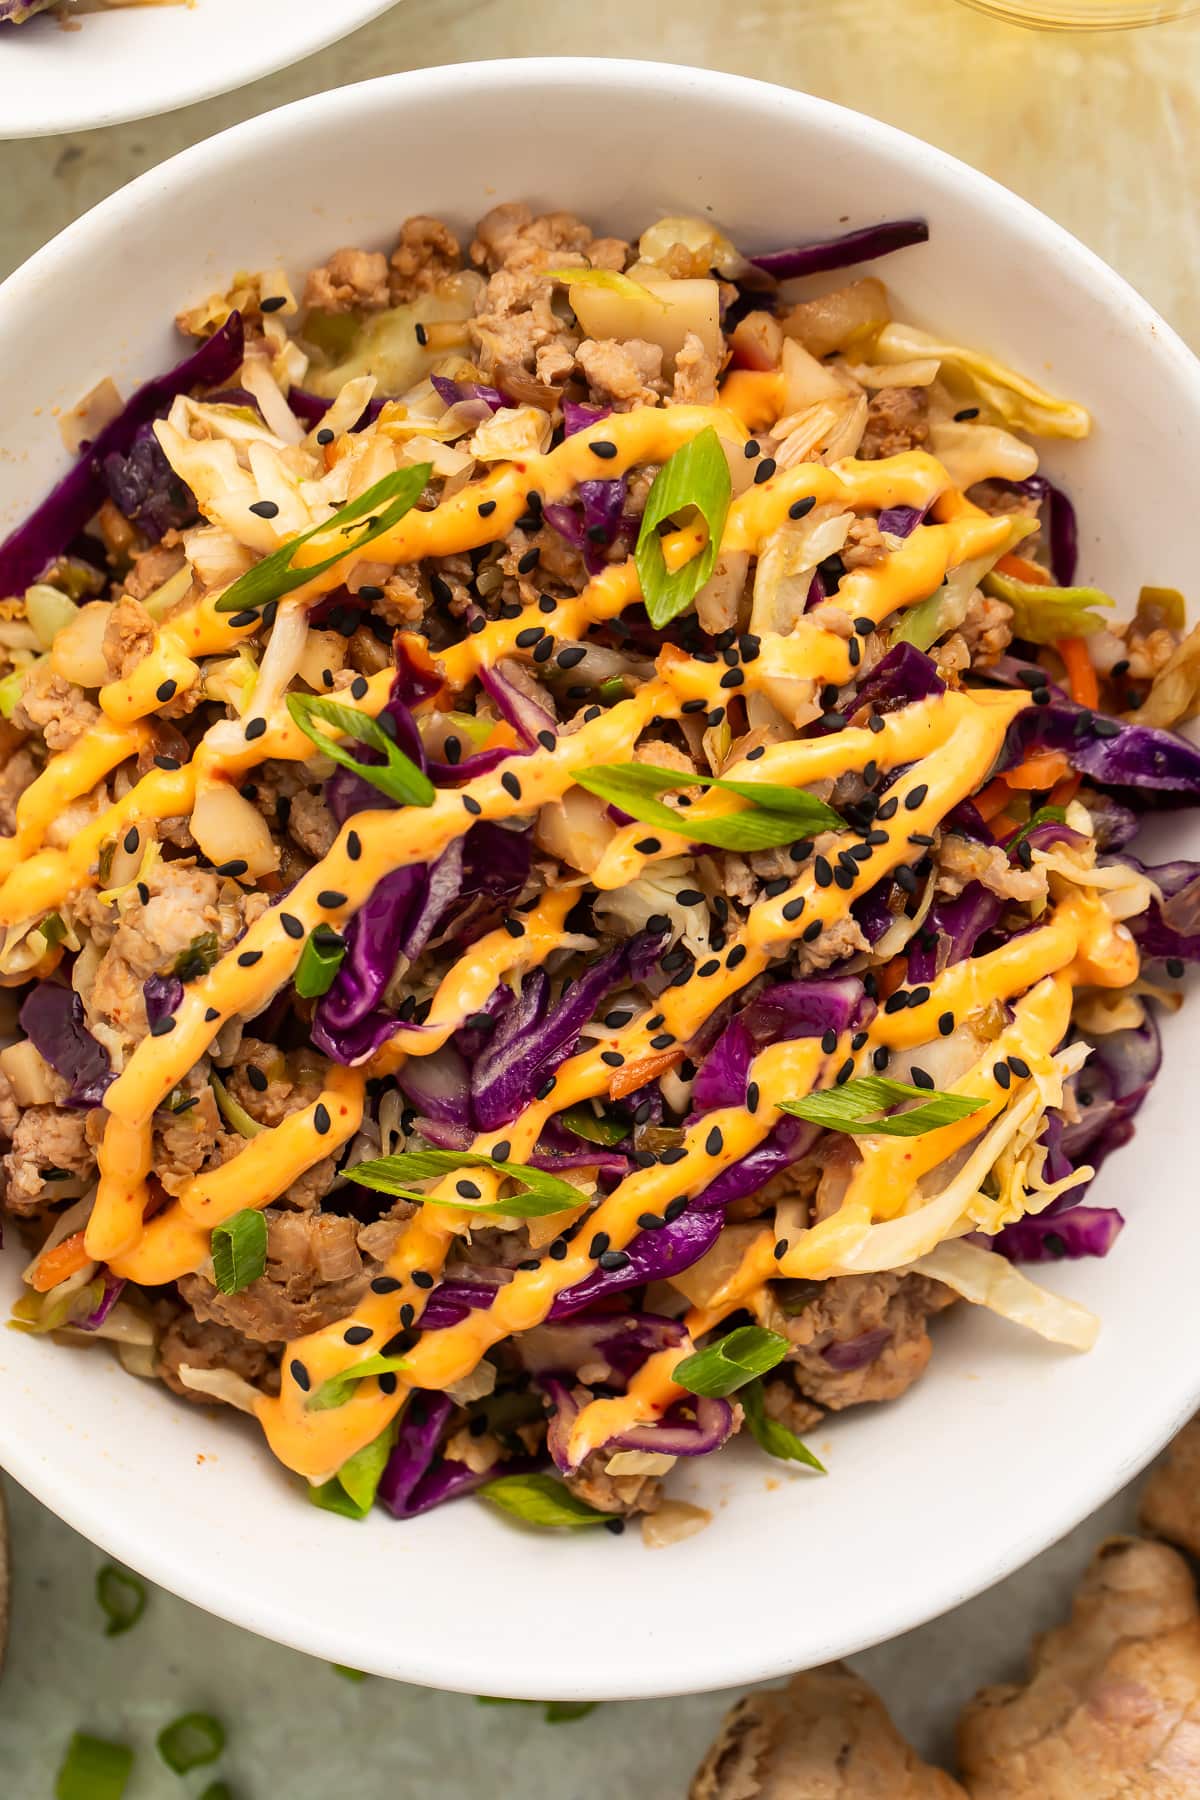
x=1103 y=133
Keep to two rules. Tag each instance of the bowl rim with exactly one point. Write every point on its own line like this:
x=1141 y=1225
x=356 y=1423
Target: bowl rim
x=743 y=1661
x=268 y=53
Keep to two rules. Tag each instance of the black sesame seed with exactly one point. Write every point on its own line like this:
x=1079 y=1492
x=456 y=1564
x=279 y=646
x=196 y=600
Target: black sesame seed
x=325 y=436
x=358 y=687
x=733 y=678
x=812 y=932
x=248 y=617
x=613 y=1058
x=558 y=1250
x=798 y=508
x=662 y=1041
x=172 y=762
x=829 y=1042
x=714 y=1143
x=946 y=1024
x=330 y=899
x=265 y=509
x=896 y=1002
x=864 y=626
x=649 y=1221
x=300 y=1375
x=471 y=805
x=368 y=591
x=1041 y=696
x=648 y=846
x=780 y=1250
x=256 y=1078
x=674 y=1154
x=1025 y=854
x=967 y=412
x=1019 y=1066
x=161 y=1027
x=611 y=1261
x=165 y=691
x=407 y=1315
x=832 y=720
x=385 y=1284
x=792 y=909
x=906 y=879
x=1105 y=728
x=574 y=653
x=716 y=715
x=358 y=1334
x=915 y=796
x=615 y=1527
x=708 y=968
x=881 y=1057
x=291 y=925
x=674 y=1207
x=236 y=866
x=845 y=1072
x=1120 y=668
x=321 y=1120
x=920 y=1078
x=486 y=508
x=1003 y=1074
x=477 y=625
x=510 y=784
x=1174 y=967
x=750 y=449
x=764 y=471
x=854 y=652
x=917 y=996
x=602 y=448
x=210 y=1014
x=752 y=1097
x=248 y=958
x=822 y=873
x=468 y=1189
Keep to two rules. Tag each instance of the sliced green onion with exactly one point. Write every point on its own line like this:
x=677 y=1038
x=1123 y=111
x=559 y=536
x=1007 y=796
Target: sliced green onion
x=397 y=776
x=190 y=1742
x=338 y=1389
x=122 y=1598
x=231 y=1110
x=347 y=1673
x=239 y=1250
x=319 y=963
x=610 y=279
x=54 y=929
x=583 y=1123
x=1043 y=614
x=197 y=958
x=11 y=686
x=612 y=689
x=93 y=1769
x=386 y=502
x=538 y=1195
x=48 y=610
x=541 y=1500
x=697 y=476
x=563 y=1712
x=352 y=1490
x=770 y=1435
x=778 y=815
x=724 y=1367
x=857 y=1106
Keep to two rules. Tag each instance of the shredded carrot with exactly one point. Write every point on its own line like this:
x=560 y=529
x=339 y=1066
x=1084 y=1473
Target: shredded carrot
x=1003 y=826
x=636 y=1074
x=1021 y=569
x=892 y=976
x=1064 y=791
x=1081 y=676
x=992 y=799
x=55 y=1265
x=1038 y=771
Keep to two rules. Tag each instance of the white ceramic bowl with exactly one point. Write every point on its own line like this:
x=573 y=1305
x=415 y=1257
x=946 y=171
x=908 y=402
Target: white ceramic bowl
x=144 y=59
x=1005 y=1444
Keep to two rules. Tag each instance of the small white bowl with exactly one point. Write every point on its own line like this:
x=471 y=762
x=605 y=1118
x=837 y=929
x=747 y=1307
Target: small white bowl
x=137 y=60
x=1005 y=1444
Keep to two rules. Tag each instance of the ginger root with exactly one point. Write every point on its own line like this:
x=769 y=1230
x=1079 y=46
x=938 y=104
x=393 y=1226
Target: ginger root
x=1111 y=1709
x=826 y=1736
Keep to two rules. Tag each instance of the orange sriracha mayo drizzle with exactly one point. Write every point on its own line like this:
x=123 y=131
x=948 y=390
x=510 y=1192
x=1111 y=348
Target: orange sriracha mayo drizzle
x=952 y=742
x=911 y=479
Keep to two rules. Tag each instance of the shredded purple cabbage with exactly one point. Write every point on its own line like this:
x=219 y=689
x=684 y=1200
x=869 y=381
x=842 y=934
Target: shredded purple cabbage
x=863 y=245
x=52 y=527
x=52 y=1019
